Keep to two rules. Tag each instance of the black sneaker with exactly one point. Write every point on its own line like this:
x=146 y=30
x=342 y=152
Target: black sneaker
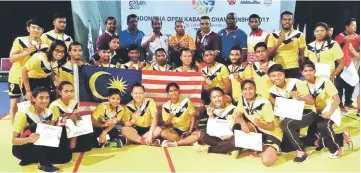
x=48 y=168
x=301 y=156
x=319 y=143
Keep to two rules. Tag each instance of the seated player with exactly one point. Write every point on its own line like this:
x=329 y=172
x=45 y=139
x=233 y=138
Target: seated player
x=295 y=89
x=161 y=61
x=24 y=135
x=105 y=118
x=179 y=117
x=66 y=107
x=257 y=112
x=135 y=63
x=141 y=118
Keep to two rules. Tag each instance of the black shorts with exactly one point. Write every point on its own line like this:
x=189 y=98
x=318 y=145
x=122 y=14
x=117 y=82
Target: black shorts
x=14 y=90
x=45 y=82
x=178 y=131
x=141 y=130
x=293 y=73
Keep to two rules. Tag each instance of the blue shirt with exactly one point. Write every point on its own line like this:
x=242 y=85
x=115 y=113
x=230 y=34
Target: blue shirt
x=237 y=37
x=126 y=38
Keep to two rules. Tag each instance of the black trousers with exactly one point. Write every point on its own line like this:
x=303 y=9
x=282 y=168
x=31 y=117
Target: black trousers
x=217 y=145
x=45 y=82
x=84 y=143
x=42 y=154
x=293 y=73
x=341 y=85
x=291 y=130
x=113 y=134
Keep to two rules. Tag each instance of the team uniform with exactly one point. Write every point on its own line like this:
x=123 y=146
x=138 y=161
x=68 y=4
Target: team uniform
x=291 y=127
x=25 y=123
x=166 y=67
x=145 y=110
x=236 y=86
x=287 y=53
x=50 y=36
x=182 y=111
x=262 y=109
x=66 y=72
x=20 y=44
x=136 y=66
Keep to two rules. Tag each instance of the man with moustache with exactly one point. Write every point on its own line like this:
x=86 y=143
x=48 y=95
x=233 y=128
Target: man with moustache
x=161 y=61
x=257 y=35
x=110 y=25
x=58 y=32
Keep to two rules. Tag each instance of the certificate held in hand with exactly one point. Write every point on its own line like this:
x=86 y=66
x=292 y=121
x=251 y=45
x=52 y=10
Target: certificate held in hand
x=82 y=127
x=219 y=127
x=336 y=115
x=289 y=108
x=48 y=135
x=249 y=141
x=323 y=70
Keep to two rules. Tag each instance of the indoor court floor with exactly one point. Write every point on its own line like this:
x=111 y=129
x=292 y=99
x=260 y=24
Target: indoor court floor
x=136 y=158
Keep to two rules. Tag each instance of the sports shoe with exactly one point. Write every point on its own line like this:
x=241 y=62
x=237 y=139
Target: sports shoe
x=167 y=143
x=156 y=143
x=347 y=138
x=201 y=148
x=48 y=168
x=301 y=156
x=336 y=154
x=235 y=154
x=319 y=142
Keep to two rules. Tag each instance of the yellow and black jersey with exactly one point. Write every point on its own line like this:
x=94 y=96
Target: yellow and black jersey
x=39 y=66
x=328 y=53
x=59 y=108
x=166 y=67
x=216 y=74
x=183 y=112
x=291 y=85
x=322 y=90
x=109 y=65
x=104 y=112
x=236 y=86
x=263 y=83
x=66 y=72
x=142 y=113
x=136 y=66
x=226 y=113
x=287 y=53
x=262 y=110
x=28 y=116
x=180 y=69
x=21 y=44
x=50 y=36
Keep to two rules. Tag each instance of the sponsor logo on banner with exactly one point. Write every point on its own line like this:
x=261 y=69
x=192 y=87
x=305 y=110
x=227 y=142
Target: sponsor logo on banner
x=250 y=2
x=231 y=2
x=203 y=6
x=267 y=3
x=136 y=4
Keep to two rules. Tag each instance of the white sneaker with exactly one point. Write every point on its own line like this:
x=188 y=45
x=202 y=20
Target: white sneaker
x=164 y=143
x=335 y=155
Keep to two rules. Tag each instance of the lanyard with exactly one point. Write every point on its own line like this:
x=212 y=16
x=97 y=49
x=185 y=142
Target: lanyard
x=318 y=52
x=250 y=108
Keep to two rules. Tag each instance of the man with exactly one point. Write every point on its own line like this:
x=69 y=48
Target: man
x=348 y=37
x=296 y=90
x=154 y=41
x=21 y=51
x=330 y=30
x=206 y=39
x=230 y=37
x=235 y=70
x=104 y=56
x=161 y=61
x=132 y=35
x=57 y=33
x=179 y=117
x=179 y=41
x=110 y=31
x=135 y=63
x=287 y=45
x=257 y=35
x=258 y=70
x=142 y=118
x=215 y=74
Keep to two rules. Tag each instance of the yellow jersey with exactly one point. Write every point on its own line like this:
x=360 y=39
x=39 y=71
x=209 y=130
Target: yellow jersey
x=216 y=74
x=183 y=112
x=142 y=113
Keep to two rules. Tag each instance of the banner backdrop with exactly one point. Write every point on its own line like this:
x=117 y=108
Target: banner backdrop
x=192 y=10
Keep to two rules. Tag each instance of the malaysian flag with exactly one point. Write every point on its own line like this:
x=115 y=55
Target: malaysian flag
x=190 y=84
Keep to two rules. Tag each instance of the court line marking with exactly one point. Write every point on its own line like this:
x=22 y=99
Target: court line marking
x=169 y=159
x=77 y=165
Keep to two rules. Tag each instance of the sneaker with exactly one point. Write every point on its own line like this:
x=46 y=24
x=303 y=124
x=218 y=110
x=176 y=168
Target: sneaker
x=164 y=143
x=156 y=142
x=301 y=156
x=343 y=109
x=336 y=154
x=358 y=113
x=235 y=154
x=48 y=168
x=201 y=148
x=167 y=143
x=319 y=142
x=348 y=140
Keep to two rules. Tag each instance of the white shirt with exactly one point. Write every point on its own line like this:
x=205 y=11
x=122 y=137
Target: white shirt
x=159 y=42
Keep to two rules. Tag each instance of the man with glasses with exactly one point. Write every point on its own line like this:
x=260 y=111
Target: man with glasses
x=230 y=37
x=132 y=35
x=206 y=39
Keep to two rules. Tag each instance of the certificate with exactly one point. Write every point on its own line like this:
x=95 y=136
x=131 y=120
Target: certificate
x=350 y=75
x=49 y=135
x=336 y=115
x=250 y=141
x=323 y=70
x=82 y=127
x=289 y=108
x=23 y=105
x=219 y=127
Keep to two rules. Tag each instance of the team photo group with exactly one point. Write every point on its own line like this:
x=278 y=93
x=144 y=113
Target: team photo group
x=257 y=91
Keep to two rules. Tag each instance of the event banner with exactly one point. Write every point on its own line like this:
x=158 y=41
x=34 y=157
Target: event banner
x=190 y=11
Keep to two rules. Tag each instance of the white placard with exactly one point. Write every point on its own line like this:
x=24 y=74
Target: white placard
x=219 y=127
x=49 y=135
x=289 y=108
x=250 y=141
x=336 y=115
x=350 y=75
x=82 y=127
x=323 y=70
x=23 y=105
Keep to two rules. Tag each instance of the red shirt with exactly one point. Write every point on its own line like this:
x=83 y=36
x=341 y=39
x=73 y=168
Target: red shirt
x=345 y=46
